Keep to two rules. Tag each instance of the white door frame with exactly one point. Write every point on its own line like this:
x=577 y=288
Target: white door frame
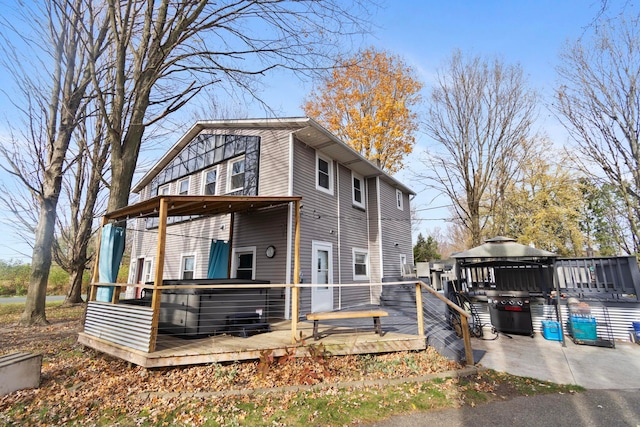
x=321 y=296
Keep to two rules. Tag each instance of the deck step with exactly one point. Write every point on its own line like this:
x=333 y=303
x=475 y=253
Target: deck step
x=19 y=371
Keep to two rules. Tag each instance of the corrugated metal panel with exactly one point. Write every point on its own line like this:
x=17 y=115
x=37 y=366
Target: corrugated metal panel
x=121 y=324
x=620 y=317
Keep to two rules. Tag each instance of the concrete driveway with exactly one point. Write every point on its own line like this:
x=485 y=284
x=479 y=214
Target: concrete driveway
x=611 y=375
x=584 y=365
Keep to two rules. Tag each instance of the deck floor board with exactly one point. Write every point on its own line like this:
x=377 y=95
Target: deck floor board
x=347 y=336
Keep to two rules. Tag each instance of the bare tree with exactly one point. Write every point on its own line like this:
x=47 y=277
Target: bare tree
x=599 y=101
x=480 y=117
x=81 y=189
x=166 y=52
x=54 y=106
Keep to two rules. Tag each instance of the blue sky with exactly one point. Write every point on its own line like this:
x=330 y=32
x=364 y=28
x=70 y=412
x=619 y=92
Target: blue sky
x=425 y=33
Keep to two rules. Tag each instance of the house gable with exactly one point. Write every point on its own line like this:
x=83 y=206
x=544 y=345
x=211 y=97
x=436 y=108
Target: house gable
x=209 y=150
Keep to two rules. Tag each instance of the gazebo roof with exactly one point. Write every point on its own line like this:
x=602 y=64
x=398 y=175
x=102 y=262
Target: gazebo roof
x=503 y=247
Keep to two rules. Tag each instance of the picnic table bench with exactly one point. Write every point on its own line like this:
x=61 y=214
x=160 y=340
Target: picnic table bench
x=336 y=315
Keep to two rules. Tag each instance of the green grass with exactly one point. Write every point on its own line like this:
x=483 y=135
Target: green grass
x=10 y=313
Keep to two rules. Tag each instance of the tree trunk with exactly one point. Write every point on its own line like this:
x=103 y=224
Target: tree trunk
x=34 y=310
x=74 y=295
x=124 y=157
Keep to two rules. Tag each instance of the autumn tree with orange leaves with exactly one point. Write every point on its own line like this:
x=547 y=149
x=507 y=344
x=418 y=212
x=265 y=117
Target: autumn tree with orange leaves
x=367 y=102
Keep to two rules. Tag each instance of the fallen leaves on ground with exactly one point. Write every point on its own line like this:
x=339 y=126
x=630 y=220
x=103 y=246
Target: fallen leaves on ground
x=80 y=385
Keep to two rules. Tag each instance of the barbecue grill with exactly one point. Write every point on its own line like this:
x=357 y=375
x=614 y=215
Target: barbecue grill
x=510 y=312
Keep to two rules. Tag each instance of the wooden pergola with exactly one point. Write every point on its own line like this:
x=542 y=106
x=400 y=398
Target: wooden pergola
x=165 y=206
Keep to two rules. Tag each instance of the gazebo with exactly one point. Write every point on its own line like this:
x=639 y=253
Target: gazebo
x=503 y=265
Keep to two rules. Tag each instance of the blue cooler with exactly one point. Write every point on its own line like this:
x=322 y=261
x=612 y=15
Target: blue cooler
x=636 y=330
x=551 y=330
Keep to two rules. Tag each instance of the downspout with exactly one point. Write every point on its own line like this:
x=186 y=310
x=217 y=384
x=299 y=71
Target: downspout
x=287 y=294
x=338 y=237
x=379 y=227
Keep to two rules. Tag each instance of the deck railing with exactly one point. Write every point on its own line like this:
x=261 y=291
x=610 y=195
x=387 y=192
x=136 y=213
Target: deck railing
x=130 y=322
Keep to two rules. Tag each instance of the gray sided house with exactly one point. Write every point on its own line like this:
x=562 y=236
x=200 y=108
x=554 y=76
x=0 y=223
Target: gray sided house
x=355 y=221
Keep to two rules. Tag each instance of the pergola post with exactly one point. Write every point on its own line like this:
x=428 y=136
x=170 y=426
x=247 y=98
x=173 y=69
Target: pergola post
x=157 y=280
x=295 y=290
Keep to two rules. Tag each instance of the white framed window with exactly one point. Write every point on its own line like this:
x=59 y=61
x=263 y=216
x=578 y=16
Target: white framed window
x=399 y=200
x=164 y=190
x=324 y=174
x=235 y=174
x=210 y=181
x=183 y=187
x=360 y=264
x=187 y=267
x=244 y=265
x=147 y=270
x=357 y=190
x=403 y=260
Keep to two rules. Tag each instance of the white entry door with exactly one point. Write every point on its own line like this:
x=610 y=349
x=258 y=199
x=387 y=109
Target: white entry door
x=322 y=274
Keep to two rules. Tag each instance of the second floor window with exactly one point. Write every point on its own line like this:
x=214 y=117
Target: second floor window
x=399 y=200
x=210 y=179
x=235 y=174
x=358 y=191
x=324 y=181
x=183 y=187
x=164 y=190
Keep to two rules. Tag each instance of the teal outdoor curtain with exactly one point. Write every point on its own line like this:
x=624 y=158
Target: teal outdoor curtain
x=218 y=260
x=111 y=250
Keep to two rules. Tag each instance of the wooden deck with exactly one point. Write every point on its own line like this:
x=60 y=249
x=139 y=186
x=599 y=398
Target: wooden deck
x=174 y=351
